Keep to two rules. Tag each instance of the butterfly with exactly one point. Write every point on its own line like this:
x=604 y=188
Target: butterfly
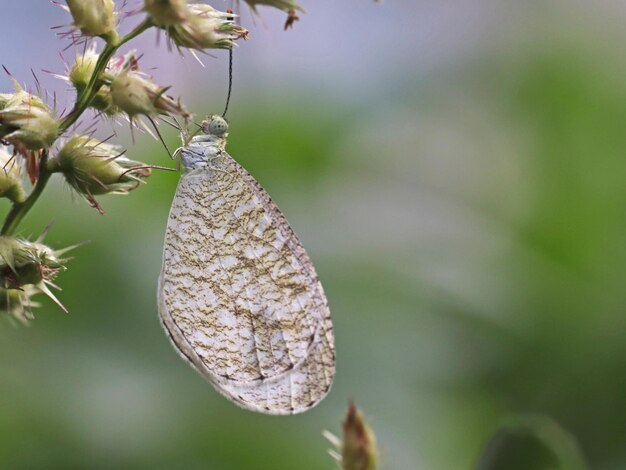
x=238 y=295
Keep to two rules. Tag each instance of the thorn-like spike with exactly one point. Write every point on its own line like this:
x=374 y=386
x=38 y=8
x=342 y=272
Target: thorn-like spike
x=62 y=251
x=44 y=288
x=44 y=233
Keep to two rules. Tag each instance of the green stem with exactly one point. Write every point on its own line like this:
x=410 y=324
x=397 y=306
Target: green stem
x=20 y=209
x=92 y=88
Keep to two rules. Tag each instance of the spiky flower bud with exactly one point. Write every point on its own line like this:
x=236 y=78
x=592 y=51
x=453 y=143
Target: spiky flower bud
x=94 y=168
x=166 y=12
x=17 y=303
x=26 y=121
x=205 y=28
x=4 y=99
x=25 y=263
x=94 y=18
x=288 y=6
x=84 y=66
x=10 y=181
x=358 y=449
x=134 y=94
x=80 y=74
x=359 y=443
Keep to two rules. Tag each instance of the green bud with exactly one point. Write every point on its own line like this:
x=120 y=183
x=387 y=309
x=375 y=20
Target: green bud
x=10 y=181
x=206 y=28
x=83 y=68
x=26 y=121
x=26 y=263
x=4 y=99
x=95 y=168
x=80 y=74
x=166 y=12
x=94 y=18
x=17 y=303
x=359 y=443
x=134 y=94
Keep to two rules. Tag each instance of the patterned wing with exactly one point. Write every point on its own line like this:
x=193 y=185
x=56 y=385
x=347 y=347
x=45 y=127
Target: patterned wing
x=239 y=296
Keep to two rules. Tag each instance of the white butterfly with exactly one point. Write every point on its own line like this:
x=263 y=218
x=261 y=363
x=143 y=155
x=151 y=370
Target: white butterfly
x=238 y=294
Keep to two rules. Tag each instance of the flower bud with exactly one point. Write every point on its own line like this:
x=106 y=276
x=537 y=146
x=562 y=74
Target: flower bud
x=83 y=68
x=358 y=450
x=17 y=303
x=4 y=99
x=80 y=74
x=288 y=6
x=94 y=17
x=166 y=12
x=94 y=168
x=26 y=121
x=10 y=181
x=206 y=28
x=134 y=94
x=359 y=443
x=25 y=264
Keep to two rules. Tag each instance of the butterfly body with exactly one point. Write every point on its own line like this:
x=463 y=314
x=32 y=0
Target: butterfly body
x=238 y=294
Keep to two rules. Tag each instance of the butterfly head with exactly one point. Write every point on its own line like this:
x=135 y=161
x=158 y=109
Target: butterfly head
x=215 y=125
x=209 y=141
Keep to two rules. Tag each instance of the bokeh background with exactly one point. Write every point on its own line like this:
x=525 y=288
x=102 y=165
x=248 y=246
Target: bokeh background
x=457 y=171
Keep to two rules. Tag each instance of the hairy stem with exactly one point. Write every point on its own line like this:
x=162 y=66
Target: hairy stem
x=20 y=209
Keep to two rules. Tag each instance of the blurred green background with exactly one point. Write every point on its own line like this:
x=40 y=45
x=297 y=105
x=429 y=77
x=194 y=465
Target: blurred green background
x=457 y=171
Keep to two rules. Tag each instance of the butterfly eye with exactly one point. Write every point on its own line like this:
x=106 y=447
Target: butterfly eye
x=218 y=126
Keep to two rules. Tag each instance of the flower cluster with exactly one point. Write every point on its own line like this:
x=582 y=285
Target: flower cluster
x=36 y=142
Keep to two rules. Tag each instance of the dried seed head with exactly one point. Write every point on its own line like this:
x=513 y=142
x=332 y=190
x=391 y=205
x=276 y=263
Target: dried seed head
x=26 y=121
x=359 y=443
x=10 y=181
x=135 y=94
x=94 y=168
x=166 y=12
x=205 y=28
x=94 y=18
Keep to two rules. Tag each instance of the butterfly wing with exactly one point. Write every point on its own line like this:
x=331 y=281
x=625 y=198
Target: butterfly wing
x=239 y=296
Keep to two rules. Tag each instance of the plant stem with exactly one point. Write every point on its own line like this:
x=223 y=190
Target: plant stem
x=92 y=88
x=20 y=209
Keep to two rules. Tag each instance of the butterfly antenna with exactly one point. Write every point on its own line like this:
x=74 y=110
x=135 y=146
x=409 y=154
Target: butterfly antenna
x=230 y=76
